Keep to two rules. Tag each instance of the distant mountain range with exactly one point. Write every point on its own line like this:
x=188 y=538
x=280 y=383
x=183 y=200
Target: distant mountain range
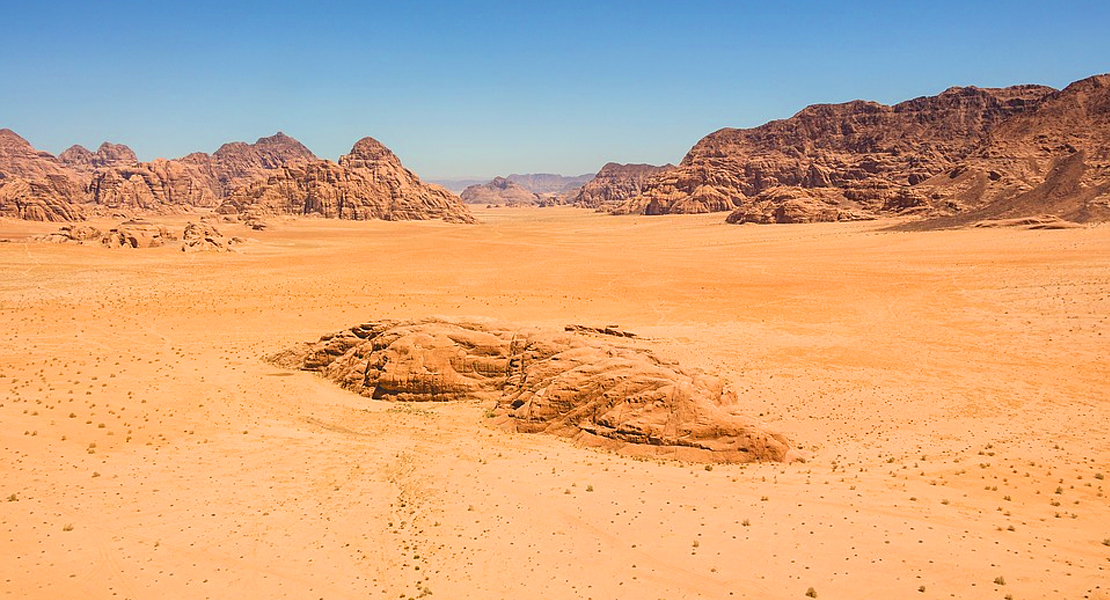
x=964 y=156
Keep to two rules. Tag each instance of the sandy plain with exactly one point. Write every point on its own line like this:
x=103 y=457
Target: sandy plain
x=949 y=387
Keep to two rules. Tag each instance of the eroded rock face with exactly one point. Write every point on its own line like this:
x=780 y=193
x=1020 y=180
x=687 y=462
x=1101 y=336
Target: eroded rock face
x=137 y=234
x=1053 y=159
x=598 y=389
x=785 y=204
x=866 y=151
x=159 y=186
x=34 y=185
x=368 y=183
x=204 y=237
x=615 y=184
x=71 y=234
x=195 y=180
x=499 y=192
x=83 y=160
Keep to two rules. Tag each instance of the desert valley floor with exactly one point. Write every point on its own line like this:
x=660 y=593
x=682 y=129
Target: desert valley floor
x=949 y=389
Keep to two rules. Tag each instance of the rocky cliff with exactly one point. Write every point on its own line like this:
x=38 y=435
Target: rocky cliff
x=368 y=183
x=615 y=184
x=1051 y=160
x=866 y=157
x=35 y=185
x=84 y=160
x=196 y=180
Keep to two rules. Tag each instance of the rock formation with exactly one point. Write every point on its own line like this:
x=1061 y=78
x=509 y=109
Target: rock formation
x=368 y=183
x=34 y=185
x=597 y=389
x=616 y=183
x=203 y=237
x=71 y=234
x=786 y=204
x=83 y=160
x=867 y=154
x=159 y=186
x=137 y=234
x=196 y=180
x=500 y=192
x=1053 y=159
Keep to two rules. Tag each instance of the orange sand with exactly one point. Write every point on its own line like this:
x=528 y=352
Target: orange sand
x=949 y=386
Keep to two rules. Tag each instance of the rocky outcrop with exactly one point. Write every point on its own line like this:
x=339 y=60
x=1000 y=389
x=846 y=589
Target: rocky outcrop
x=84 y=160
x=34 y=185
x=499 y=192
x=237 y=163
x=867 y=153
x=550 y=185
x=71 y=234
x=137 y=234
x=203 y=237
x=785 y=204
x=159 y=186
x=597 y=389
x=1051 y=160
x=615 y=184
x=196 y=180
x=368 y=183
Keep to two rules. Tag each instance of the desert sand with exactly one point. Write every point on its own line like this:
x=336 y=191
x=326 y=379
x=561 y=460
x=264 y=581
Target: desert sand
x=948 y=388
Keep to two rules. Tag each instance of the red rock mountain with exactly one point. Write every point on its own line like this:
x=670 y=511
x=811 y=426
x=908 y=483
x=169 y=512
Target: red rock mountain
x=499 y=192
x=35 y=185
x=846 y=161
x=368 y=183
x=107 y=155
x=196 y=180
x=615 y=184
x=1053 y=159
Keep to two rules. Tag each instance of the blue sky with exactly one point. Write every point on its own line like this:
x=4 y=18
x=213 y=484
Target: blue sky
x=486 y=88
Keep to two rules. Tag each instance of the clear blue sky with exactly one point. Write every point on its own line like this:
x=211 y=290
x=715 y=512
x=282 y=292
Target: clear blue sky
x=485 y=88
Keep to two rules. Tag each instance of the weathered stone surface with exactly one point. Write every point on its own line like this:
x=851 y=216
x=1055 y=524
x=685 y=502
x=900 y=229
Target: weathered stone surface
x=159 y=186
x=1053 y=159
x=195 y=180
x=34 y=185
x=786 y=204
x=368 y=183
x=83 y=160
x=598 y=389
x=137 y=234
x=499 y=192
x=71 y=234
x=204 y=237
x=616 y=183
x=865 y=150
x=237 y=163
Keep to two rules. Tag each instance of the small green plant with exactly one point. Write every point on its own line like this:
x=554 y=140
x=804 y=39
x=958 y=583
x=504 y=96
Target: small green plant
x=746 y=523
x=67 y=527
x=1000 y=580
x=1105 y=542
x=921 y=589
x=811 y=593
x=14 y=498
x=708 y=467
x=589 y=487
